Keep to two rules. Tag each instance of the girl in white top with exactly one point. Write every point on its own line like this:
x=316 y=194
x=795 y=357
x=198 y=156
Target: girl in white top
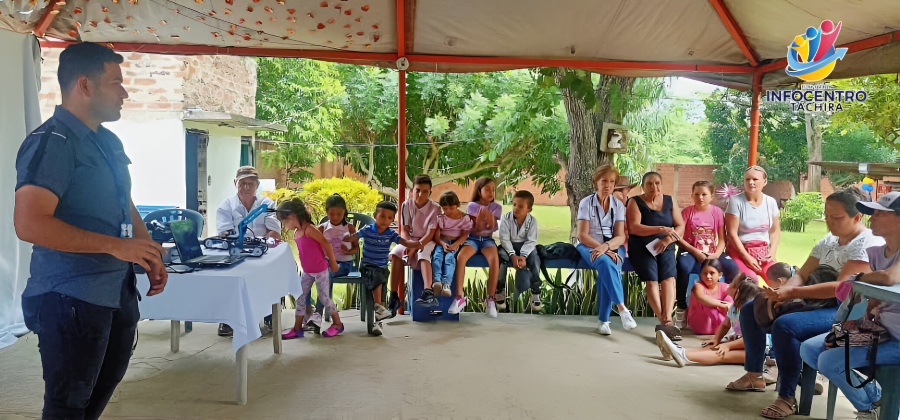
x=752 y=224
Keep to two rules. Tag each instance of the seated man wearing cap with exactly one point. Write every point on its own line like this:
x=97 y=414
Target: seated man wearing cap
x=235 y=208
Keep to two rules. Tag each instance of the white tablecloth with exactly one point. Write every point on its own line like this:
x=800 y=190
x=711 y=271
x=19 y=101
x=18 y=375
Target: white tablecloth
x=239 y=296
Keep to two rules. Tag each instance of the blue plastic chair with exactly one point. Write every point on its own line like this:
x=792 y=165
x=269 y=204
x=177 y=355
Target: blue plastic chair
x=169 y=215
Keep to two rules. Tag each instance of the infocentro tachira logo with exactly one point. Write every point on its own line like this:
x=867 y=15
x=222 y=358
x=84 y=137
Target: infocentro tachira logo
x=812 y=56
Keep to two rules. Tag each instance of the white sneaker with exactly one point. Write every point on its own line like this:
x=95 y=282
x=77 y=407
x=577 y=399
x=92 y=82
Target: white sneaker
x=491 y=308
x=446 y=292
x=663 y=348
x=381 y=312
x=378 y=328
x=675 y=351
x=628 y=321
x=536 y=302
x=604 y=328
x=457 y=305
x=680 y=318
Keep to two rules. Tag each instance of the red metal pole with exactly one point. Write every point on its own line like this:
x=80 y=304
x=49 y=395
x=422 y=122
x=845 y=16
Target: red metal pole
x=754 y=118
x=401 y=139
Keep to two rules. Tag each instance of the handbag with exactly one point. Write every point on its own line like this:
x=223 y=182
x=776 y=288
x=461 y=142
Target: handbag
x=865 y=332
x=759 y=250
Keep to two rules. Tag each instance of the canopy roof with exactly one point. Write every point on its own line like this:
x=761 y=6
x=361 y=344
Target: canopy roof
x=718 y=41
x=872 y=170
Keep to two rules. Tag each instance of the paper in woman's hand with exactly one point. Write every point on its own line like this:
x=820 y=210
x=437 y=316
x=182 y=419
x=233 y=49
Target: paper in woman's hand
x=652 y=247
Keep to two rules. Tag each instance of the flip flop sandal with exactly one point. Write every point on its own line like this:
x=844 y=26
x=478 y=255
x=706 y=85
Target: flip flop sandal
x=744 y=384
x=776 y=411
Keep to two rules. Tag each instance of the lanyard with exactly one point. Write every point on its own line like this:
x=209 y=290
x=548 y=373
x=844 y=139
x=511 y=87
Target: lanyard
x=126 y=227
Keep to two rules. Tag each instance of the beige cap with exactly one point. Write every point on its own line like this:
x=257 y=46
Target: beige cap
x=246 y=172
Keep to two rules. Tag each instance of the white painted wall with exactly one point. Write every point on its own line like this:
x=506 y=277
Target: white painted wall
x=223 y=158
x=156 y=150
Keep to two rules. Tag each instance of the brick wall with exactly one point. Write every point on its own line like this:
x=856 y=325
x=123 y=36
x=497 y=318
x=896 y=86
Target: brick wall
x=677 y=180
x=161 y=86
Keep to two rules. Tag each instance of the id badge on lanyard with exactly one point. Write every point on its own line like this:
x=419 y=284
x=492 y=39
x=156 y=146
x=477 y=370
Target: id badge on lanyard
x=126 y=229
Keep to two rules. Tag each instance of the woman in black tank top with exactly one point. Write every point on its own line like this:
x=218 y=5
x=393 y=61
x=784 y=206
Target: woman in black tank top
x=653 y=216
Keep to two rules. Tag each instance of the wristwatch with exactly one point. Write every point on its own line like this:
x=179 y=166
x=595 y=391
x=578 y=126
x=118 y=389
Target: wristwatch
x=858 y=276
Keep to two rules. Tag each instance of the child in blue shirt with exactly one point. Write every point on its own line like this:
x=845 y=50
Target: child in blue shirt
x=377 y=240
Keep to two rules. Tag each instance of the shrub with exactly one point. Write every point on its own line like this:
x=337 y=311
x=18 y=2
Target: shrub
x=359 y=196
x=801 y=210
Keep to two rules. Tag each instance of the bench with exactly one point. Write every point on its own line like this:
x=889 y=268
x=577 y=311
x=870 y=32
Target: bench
x=476 y=261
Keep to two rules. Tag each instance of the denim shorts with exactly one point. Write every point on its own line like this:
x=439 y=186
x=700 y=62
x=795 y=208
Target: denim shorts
x=480 y=242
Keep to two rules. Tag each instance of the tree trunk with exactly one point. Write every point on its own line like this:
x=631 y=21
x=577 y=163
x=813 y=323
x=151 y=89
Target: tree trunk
x=584 y=135
x=814 y=125
x=583 y=150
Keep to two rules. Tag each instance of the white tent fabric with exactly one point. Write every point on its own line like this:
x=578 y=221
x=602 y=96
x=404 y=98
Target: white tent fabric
x=671 y=32
x=21 y=73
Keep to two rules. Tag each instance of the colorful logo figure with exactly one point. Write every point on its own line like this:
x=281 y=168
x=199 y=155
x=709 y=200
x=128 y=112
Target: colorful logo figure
x=868 y=184
x=812 y=56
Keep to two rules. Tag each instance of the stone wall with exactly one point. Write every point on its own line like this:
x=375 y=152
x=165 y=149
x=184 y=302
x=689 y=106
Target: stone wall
x=221 y=83
x=162 y=86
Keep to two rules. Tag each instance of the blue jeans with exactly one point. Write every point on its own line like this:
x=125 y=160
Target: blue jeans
x=84 y=348
x=788 y=331
x=480 y=242
x=344 y=268
x=687 y=265
x=443 y=263
x=831 y=363
x=609 y=280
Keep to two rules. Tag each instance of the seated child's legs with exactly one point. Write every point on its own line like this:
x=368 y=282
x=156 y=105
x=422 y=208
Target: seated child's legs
x=437 y=264
x=462 y=257
x=398 y=266
x=533 y=264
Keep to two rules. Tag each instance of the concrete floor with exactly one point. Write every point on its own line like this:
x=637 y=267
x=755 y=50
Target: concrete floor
x=512 y=367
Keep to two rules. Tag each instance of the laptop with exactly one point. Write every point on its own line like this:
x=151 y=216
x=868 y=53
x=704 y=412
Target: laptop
x=185 y=234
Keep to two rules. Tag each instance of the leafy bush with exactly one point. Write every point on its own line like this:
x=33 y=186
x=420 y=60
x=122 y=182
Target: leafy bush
x=801 y=210
x=359 y=196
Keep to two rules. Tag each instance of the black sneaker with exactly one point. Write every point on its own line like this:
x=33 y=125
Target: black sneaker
x=393 y=305
x=671 y=331
x=225 y=330
x=427 y=298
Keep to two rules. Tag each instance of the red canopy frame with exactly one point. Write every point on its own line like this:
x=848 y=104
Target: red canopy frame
x=405 y=42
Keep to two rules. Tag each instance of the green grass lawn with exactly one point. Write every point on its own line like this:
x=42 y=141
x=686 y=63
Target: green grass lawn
x=553 y=226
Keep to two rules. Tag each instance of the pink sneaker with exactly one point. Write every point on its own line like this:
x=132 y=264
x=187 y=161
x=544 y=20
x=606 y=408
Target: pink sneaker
x=292 y=334
x=333 y=330
x=457 y=306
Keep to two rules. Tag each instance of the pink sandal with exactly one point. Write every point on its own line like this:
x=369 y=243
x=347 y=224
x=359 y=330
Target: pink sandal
x=333 y=330
x=292 y=334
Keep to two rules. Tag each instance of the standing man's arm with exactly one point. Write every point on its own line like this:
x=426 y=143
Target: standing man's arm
x=35 y=222
x=158 y=275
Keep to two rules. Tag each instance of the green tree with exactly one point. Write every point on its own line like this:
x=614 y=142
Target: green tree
x=782 y=149
x=853 y=144
x=305 y=96
x=881 y=109
x=459 y=127
x=590 y=100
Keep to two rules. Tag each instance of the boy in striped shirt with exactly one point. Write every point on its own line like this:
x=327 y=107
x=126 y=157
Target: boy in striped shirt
x=377 y=240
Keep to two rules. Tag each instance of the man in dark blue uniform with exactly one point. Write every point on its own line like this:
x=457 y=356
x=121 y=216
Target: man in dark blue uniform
x=73 y=202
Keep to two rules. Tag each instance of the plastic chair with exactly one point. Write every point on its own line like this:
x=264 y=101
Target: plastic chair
x=887 y=376
x=366 y=301
x=169 y=215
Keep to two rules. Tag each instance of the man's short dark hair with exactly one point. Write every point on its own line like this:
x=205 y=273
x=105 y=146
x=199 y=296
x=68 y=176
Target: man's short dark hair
x=422 y=179
x=385 y=205
x=527 y=196
x=84 y=59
